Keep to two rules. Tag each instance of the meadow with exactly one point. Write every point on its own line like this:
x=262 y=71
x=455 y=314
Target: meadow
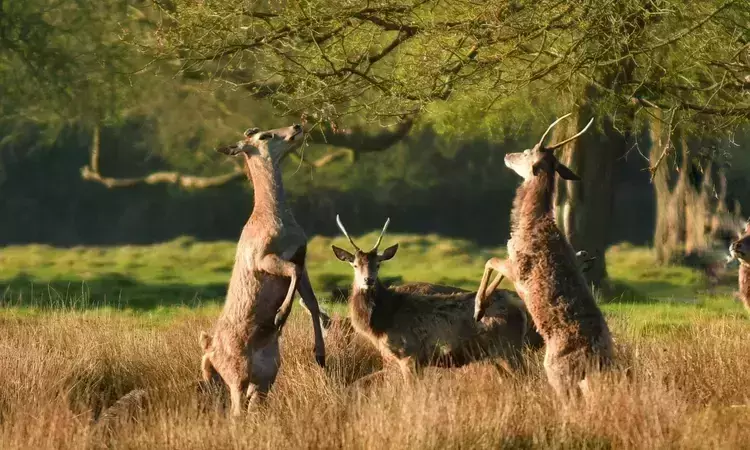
x=80 y=327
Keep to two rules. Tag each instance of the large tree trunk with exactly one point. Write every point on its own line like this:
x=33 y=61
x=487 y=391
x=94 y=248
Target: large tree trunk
x=584 y=208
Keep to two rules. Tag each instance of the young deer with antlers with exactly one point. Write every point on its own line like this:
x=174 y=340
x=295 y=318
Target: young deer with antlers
x=269 y=267
x=417 y=330
x=740 y=250
x=542 y=265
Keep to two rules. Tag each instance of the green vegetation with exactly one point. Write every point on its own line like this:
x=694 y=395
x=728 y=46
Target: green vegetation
x=186 y=277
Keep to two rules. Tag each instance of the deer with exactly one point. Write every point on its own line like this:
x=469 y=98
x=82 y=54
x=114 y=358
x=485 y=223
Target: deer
x=740 y=250
x=416 y=330
x=269 y=267
x=542 y=266
x=533 y=341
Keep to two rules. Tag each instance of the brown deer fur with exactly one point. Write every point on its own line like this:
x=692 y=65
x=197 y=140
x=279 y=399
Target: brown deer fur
x=740 y=250
x=542 y=265
x=243 y=349
x=342 y=326
x=417 y=330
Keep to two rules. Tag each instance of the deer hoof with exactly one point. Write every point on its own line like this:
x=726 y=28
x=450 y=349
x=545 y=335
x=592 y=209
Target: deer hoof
x=321 y=360
x=279 y=320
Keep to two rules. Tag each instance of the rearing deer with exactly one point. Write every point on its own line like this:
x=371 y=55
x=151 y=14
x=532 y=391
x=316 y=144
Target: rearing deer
x=740 y=250
x=269 y=267
x=542 y=265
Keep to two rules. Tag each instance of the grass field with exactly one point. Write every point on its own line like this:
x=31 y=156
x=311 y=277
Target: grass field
x=80 y=327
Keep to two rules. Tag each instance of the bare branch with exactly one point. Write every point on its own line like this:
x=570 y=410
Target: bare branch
x=359 y=141
x=91 y=173
x=175 y=178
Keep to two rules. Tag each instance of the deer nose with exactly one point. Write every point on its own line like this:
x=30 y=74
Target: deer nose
x=297 y=127
x=369 y=281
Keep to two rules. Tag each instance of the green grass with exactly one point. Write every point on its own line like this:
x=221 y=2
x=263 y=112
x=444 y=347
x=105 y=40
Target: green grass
x=186 y=277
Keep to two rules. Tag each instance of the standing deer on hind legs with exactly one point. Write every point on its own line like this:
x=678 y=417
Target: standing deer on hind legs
x=740 y=250
x=269 y=267
x=542 y=265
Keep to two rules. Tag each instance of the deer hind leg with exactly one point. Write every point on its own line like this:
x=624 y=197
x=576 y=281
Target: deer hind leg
x=562 y=378
x=266 y=364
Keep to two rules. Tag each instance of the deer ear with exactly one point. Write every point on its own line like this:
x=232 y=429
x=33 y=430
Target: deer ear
x=389 y=253
x=342 y=254
x=566 y=173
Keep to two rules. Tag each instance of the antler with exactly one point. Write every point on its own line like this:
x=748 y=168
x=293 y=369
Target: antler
x=560 y=144
x=541 y=141
x=343 y=230
x=380 y=238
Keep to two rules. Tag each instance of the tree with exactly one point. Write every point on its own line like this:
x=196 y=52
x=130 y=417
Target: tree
x=386 y=60
x=693 y=214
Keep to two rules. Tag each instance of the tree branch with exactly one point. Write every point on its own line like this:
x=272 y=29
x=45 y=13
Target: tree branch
x=359 y=141
x=91 y=173
x=175 y=178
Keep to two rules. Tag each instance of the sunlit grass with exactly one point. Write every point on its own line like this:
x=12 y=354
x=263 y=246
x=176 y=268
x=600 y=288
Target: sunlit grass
x=80 y=327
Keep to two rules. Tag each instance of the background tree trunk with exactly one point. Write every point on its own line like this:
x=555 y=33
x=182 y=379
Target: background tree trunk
x=584 y=208
x=692 y=217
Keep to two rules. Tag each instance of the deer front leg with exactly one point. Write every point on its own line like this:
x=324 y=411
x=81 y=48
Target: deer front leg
x=503 y=269
x=311 y=303
x=480 y=301
x=274 y=265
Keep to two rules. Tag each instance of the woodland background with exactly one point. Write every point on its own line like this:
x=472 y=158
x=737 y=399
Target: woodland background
x=412 y=105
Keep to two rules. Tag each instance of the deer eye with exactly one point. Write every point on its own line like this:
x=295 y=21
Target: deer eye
x=265 y=136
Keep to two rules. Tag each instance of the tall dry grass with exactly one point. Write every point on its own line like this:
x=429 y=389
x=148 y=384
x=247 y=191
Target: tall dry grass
x=58 y=371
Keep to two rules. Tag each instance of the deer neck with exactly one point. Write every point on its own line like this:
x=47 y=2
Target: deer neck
x=362 y=305
x=268 y=189
x=533 y=201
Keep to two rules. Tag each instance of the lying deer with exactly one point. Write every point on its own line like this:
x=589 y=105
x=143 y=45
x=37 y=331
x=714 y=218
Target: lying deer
x=417 y=330
x=542 y=266
x=740 y=250
x=269 y=267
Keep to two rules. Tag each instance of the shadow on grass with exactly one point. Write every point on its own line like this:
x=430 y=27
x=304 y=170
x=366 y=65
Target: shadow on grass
x=645 y=292
x=106 y=290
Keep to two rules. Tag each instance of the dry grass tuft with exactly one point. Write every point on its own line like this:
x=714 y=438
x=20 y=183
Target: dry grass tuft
x=690 y=390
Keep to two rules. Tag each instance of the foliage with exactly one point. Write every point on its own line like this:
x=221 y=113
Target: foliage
x=388 y=59
x=188 y=272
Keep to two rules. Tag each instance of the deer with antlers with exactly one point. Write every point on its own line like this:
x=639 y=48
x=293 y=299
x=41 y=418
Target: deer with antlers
x=740 y=250
x=542 y=266
x=416 y=329
x=243 y=349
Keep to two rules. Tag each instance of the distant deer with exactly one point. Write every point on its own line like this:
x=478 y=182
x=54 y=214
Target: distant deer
x=269 y=267
x=740 y=250
x=417 y=330
x=542 y=265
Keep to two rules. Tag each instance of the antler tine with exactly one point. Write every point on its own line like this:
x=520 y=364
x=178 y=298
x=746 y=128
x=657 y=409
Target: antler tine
x=343 y=230
x=552 y=125
x=380 y=238
x=560 y=144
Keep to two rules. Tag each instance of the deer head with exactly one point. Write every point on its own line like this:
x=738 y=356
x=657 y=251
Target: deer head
x=271 y=144
x=365 y=264
x=740 y=249
x=531 y=162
